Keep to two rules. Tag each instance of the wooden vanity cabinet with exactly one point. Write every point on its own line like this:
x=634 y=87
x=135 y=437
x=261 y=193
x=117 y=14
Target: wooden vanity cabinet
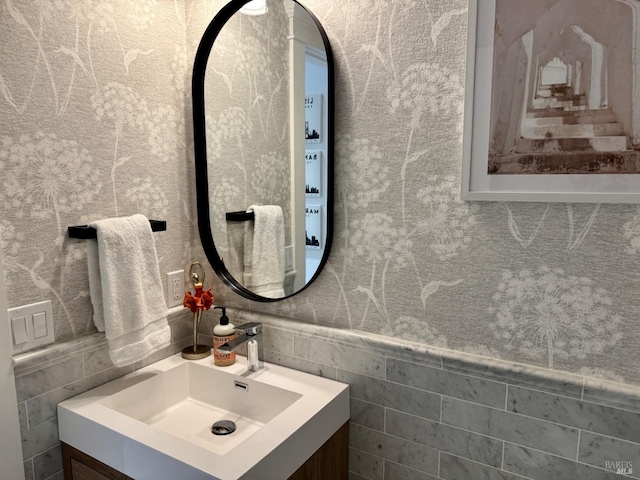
x=330 y=461
x=80 y=466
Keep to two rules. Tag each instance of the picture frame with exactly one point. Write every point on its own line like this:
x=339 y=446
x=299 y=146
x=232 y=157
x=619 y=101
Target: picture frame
x=313 y=173
x=313 y=227
x=313 y=118
x=569 y=107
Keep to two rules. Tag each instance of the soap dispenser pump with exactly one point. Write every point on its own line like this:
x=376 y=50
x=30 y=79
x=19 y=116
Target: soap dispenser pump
x=223 y=332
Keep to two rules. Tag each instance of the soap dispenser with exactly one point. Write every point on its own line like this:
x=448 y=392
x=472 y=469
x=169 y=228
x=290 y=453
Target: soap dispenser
x=223 y=332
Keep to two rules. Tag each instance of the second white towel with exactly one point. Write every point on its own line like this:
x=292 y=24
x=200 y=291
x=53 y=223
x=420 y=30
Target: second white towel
x=264 y=251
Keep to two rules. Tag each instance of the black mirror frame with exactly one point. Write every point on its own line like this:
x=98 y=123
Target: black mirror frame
x=200 y=145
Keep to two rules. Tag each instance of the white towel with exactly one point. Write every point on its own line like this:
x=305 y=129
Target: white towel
x=234 y=257
x=126 y=289
x=264 y=251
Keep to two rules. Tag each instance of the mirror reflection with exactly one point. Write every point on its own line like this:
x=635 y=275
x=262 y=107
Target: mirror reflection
x=266 y=98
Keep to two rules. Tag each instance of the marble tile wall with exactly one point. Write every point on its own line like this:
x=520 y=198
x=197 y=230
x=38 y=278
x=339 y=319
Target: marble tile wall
x=424 y=414
x=417 y=413
x=61 y=372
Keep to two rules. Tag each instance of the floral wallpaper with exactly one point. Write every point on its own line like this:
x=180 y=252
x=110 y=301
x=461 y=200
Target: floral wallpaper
x=93 y=112
x=95 y=123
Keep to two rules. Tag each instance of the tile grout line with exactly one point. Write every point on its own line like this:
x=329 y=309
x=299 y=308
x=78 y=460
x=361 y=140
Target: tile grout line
x=386 y=367
x=33 y=474
x=506 y=398
x=385 y=461
x=504 y=443
x=295 y=357
x=488 y=407
x=52 y=476
x=620 y=439
x=578 y=447
x=394 y=409
x=439 y=461
x=370 y=455
x=407 y=440
x=578 y=462
x=477 y=375
x=418 y=388
x=485 y=465
x=321 y=365
x=26 y=412
x=384 y=420
x=575 y=399
x=508 y=412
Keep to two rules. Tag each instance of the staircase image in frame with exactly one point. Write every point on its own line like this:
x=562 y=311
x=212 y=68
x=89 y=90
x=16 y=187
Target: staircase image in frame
x=565 y=96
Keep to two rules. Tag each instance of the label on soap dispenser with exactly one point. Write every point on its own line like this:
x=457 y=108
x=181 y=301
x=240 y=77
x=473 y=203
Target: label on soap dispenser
x=219 y=358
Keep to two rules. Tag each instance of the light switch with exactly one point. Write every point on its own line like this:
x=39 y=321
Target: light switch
x=19 y=328
x=32 y=326
x=40 y=325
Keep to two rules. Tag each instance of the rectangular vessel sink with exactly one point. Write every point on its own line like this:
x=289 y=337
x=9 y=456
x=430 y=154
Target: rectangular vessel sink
x=187 y=400
x=156 y=423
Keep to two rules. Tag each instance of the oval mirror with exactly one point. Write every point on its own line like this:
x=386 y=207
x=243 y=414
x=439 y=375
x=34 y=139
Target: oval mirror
x=263 y=127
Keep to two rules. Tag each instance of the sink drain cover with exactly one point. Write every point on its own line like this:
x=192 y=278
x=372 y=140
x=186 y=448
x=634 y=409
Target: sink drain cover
x=223 y=427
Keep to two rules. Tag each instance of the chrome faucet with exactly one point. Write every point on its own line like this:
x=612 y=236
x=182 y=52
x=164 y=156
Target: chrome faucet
x=250 y=334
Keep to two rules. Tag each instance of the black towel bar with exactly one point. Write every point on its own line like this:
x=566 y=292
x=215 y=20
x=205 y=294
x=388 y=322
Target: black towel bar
x=240 y=216
x=85 y=232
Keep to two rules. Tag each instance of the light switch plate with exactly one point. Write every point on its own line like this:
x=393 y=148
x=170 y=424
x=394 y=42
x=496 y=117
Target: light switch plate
x=38 y=322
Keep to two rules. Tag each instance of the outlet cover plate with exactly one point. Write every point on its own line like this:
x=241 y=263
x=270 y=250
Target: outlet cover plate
x=33 y=313
x=175 y=288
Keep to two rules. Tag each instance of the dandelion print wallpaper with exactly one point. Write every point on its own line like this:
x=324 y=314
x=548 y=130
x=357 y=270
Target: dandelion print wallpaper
x=93 y=108
x=94 y=101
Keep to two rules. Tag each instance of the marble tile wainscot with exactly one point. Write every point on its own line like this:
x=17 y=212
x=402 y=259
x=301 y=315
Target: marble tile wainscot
x=48 y=376
x=424 y=413
x=417 y=412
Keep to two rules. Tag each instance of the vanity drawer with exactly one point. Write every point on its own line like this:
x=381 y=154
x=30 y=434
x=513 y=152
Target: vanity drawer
x=80 y=466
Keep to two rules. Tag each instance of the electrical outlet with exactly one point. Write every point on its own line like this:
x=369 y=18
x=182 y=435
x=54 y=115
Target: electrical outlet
x=175 y=288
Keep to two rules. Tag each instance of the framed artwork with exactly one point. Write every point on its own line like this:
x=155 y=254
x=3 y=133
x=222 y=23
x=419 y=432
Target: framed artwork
x=313 y=224
x=313 y=173
x=313 y=118
x=552 y=107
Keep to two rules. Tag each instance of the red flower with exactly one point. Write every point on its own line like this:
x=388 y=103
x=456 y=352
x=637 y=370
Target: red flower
x=199 y=301
x=206 y=299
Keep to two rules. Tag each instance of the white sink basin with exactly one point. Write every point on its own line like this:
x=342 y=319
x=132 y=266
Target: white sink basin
x=187 y=400
x=156 y=423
